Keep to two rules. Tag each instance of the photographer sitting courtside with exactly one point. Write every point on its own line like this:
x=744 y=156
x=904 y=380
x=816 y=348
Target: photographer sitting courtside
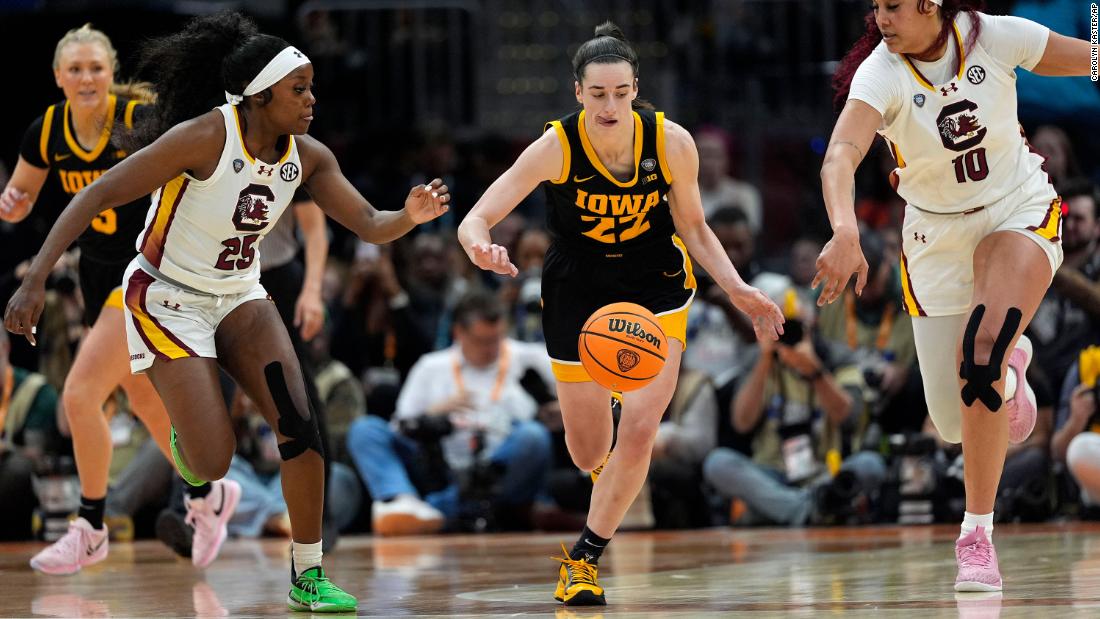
x=1076 y=438
x=797 y=401
x=468 y=399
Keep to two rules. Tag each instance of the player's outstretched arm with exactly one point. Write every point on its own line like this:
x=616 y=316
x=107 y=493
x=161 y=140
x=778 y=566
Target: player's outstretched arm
x=543 y=160
x=336 y=196
x=687 y=213
x=841 y=257
x=1065 y=56
x=188 y=146
x=22 y=189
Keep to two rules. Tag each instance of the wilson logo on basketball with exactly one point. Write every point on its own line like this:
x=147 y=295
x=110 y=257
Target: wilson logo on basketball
x=633 y=329
x=627 y=359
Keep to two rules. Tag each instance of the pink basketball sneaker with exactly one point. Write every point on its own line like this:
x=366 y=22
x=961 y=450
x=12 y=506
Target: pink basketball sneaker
x=209 y=516
x=977 y=560
x=1021 y=405
x=80 y=546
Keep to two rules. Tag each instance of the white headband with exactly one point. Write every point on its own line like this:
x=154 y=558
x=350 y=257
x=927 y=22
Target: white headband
x=937 y=2
x=282 y=64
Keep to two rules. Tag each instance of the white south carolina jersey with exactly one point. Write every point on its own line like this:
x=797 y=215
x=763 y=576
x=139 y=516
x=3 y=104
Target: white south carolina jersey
x=205 y=234
x=951 y=124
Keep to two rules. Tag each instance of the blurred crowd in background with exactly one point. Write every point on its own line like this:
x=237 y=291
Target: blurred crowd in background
x=456 y=91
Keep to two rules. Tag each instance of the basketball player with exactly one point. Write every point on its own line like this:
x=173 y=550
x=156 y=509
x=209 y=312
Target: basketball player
x=624 y=211
x=935 y=78
x=70 y=146
x=221 y=178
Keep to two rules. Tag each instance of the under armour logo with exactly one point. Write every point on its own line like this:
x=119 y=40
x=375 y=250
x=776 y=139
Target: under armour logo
x=949 y=89
x=175 y=307
x=920 y=237
x=265 y=170
x=298 y=54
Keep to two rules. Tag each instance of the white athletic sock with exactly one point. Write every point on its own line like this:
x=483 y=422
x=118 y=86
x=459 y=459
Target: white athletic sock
x=1010 y=384
x=306 y=556
x=973 y=521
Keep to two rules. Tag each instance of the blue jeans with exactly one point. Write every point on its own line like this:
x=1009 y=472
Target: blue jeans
x=262 y=497
x=765 y=490
x=382 y=457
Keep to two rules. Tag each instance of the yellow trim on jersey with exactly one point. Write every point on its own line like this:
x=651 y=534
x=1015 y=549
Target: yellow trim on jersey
x=961 y=49
x=566 y=152
x=240 y=134
x=595 y=159
x=244 y=147
x=689 y=280
x=44 y=139
x=661 y=148
x=962 y=61
x=114 y=299
x=128 y=117
x=897 y=154
x=162 y=344
x=908 y=298
x=569 y=372
x=1052 y=222
x=104 y=136
x=289 y=148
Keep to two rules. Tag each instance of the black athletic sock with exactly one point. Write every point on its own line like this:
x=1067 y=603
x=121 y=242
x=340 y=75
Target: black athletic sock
x=198 y=492
x=92 y=511
x=589 y=546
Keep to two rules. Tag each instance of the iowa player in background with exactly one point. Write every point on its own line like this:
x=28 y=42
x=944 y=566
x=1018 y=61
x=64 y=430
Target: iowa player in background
x=936 y=78
x=221 y=179
x=71 y=145
x=624 y=212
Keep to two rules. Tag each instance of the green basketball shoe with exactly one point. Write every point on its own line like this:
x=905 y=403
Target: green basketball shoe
x=312 y=592
x=184 y=472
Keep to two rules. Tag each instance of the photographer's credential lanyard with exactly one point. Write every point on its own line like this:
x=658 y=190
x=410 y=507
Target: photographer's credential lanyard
x=886 y=325
x=502 y=372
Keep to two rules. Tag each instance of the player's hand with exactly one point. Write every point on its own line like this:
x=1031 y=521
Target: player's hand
x=839 y=259
x=14 y=204
x=426 y=202
x=493 y=258
x=767 y=319
x=24 y=309
x=309 y=314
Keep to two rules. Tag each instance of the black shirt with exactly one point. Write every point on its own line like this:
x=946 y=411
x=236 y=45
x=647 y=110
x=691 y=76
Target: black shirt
x=50 y=142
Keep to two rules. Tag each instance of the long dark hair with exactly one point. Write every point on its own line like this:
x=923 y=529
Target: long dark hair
x=181 y=65
x=609 y=45
x=842 y=79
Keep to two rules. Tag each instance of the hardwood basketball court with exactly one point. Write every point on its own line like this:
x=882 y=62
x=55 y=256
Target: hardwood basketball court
x=1049 y=571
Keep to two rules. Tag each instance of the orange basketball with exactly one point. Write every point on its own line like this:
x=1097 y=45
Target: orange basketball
x=622 y=346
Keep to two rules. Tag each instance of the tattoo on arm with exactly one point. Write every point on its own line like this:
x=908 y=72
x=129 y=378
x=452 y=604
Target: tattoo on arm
x=853 y=146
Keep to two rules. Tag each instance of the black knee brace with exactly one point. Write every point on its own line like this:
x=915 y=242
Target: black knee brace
x=979 y=379
x=300 y=428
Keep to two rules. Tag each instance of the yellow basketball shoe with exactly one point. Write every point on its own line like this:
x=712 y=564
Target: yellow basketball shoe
x=577 y=584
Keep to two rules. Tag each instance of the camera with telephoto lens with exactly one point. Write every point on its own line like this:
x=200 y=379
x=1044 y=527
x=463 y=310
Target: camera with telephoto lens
x=793 y=331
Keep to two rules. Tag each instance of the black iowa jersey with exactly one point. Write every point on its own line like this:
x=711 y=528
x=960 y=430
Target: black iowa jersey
x=592 y=212
x=50 y=142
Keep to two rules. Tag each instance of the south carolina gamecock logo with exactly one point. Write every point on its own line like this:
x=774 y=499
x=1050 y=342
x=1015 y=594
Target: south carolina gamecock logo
x=627 y=359
x=252 y=211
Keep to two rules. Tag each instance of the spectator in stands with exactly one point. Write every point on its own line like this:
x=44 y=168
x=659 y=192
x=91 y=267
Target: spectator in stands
x=799 y=402
x=1052 y=142
x=28 y=434
x=1076 y=440
x=716 y=187
x=468 y=398
x=1068 y=317
x=878 y=331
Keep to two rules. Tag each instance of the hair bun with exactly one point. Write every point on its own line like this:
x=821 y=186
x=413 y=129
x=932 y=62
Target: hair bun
x=609 y=29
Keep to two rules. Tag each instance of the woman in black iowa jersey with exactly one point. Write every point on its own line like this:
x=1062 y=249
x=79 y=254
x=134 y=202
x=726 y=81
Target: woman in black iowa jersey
x=70 y=146
x=622 y=191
